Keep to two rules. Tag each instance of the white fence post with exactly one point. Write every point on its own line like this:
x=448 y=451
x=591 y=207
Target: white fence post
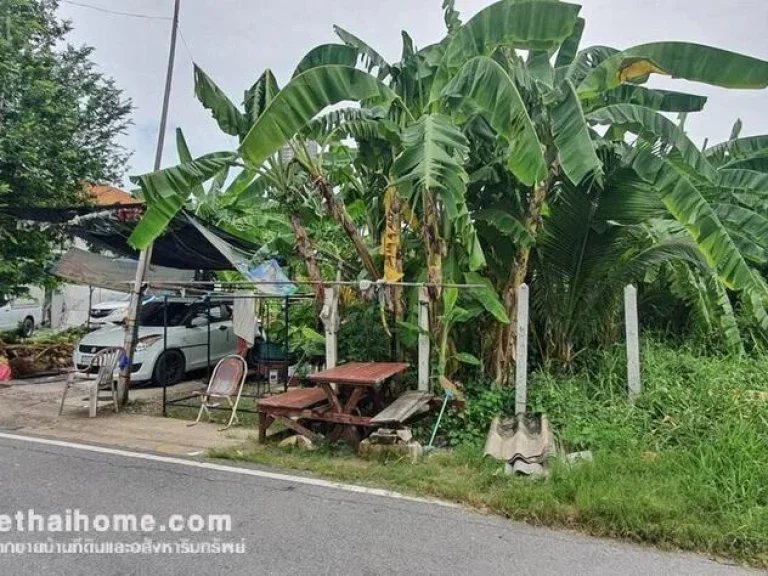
x=423 y=339
x=633 y=342
x=521 y=354
x=330 y=318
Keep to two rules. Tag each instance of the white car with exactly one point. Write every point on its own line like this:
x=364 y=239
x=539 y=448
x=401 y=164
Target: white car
x=110 y=312
x=187 y=340
x=113 y=311
x=19 y=314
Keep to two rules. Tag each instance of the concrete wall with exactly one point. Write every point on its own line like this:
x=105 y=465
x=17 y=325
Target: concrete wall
x=70 y=305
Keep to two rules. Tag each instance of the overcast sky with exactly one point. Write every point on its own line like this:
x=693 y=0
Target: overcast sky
x=235 y=40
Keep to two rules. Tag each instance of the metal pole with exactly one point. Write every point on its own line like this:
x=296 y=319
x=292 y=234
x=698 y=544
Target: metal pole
x=165 y=347
x=90 y=305
x=286 y=352
x=145 y=257
x=208 y=316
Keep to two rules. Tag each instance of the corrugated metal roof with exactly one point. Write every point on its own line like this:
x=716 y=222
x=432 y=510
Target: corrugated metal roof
x=103 y=195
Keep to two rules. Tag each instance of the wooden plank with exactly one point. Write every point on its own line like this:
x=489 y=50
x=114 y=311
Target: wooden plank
x=403 y=408
x=330 y=394
x=354 y=399
x=423 y=379
x=633 y=342
x=360 y=373
x=521 y=357
x=265 y=421
x=296 y=427
x=299 y=398
x=333 y=417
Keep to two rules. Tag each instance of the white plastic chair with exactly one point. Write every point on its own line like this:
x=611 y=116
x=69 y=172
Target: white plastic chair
x=226 y=381
x=100 y=374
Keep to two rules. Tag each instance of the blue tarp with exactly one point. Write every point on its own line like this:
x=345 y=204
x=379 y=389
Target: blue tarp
x=269 y=271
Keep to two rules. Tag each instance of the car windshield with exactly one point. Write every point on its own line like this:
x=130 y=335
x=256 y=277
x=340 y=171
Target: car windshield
x=152 y=314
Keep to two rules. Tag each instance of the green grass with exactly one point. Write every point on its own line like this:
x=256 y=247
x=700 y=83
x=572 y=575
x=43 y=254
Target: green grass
x=687 y=467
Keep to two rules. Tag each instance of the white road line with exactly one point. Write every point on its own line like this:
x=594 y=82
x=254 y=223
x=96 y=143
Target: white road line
x=231 y=469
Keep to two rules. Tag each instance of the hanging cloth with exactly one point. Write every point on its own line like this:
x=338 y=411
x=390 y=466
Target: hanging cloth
x=244 y=320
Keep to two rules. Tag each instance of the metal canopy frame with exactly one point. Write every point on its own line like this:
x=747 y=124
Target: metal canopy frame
x=202 y=291
x=208 y=299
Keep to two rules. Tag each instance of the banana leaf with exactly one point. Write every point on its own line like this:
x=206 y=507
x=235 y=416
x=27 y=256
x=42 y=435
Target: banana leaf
x=738 y=149
x=660 y=100
x=327 y=54
x=576 y=152
x=226 y=114
x=646 y=122
x=683 y=60
x=301 y=100
x=166 y=191
x=485 y=85
x=258 y=97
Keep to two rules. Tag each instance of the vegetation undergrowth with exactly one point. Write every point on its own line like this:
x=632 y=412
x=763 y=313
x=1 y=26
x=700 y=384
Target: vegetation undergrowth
x=686 y=467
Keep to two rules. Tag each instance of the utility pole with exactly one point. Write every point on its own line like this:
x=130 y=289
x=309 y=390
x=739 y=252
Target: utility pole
x=145 y=257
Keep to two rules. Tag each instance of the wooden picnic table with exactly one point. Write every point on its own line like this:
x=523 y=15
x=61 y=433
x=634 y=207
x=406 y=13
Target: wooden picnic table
x=325 y=403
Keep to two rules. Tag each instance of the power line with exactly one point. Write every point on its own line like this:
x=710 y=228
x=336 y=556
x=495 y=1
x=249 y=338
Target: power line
x=227 y=140
x=115 y=12
x=186 y=46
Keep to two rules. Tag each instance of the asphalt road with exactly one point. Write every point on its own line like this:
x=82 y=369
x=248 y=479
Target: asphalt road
x=287 y=527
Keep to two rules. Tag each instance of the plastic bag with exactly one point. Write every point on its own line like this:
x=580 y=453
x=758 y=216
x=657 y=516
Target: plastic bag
x=5 y=370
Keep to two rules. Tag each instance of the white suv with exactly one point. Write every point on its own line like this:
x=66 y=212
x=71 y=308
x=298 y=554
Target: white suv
x=187 y=340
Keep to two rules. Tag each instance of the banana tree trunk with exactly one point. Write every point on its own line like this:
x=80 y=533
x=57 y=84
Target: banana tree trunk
x=506 y=340
x=435 y=247
x=307 y=252
x=391 y=243
x=339 y=212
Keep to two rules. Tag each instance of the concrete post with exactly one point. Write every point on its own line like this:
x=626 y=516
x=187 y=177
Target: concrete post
x=330 y=318
x=521 y=354
x=633 y=342
x=423 y=339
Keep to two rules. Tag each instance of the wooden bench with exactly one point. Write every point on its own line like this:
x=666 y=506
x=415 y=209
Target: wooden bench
x=324 y=403
x=281 y=407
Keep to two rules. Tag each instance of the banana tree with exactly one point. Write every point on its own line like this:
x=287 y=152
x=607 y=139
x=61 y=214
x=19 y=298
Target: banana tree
x=168 y=191
x=547 y=112
x=495 y=74
x=504 y=139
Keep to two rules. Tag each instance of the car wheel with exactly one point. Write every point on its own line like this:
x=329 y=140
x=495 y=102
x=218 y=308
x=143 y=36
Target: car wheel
x=169 y=368
x=27 y=327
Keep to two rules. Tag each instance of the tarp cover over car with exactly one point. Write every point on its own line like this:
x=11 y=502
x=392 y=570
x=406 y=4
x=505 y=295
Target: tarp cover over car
x=81 y=267
x=184 y=245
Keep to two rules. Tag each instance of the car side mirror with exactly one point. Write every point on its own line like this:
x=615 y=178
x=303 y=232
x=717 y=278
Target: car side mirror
x=198 y=322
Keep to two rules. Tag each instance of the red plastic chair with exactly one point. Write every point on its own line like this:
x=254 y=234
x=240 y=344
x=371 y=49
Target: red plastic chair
x=226 y=382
